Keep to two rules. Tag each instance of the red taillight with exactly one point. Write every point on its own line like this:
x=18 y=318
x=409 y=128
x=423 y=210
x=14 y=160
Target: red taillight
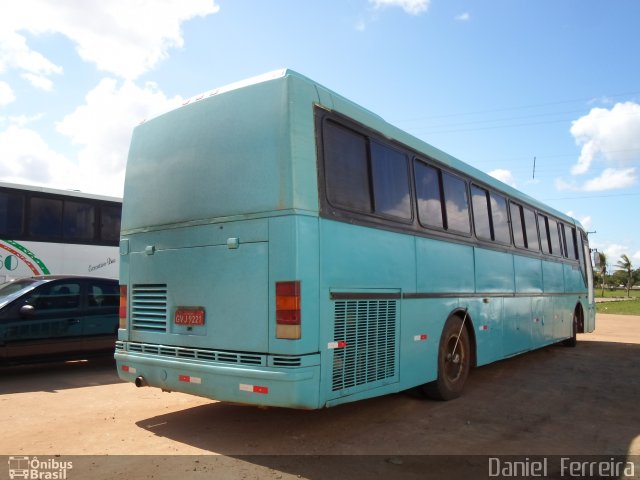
x=288 y=310
x=123 y=306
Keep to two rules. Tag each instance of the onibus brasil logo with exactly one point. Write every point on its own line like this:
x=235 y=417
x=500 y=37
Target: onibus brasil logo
x=34 y=468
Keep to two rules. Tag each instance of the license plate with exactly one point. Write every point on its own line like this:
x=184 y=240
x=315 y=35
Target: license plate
x=189 y=316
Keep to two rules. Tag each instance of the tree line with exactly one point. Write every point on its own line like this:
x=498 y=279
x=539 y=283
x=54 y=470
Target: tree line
x=624 y=273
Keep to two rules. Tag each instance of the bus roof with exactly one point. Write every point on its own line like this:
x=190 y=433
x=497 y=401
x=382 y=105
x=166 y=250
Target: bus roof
x=56 y=191
x=335 y=102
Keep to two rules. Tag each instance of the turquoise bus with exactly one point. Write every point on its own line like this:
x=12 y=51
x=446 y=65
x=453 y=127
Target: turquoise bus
x=283 y=246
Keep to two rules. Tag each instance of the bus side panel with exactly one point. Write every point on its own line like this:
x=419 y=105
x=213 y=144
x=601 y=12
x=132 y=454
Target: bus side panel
x=487 y=318
x=573 y=280
x=518 y=325
x=528 y=275
x=553 y=275
x=444 y=267
x=494 y=272
x=293 y=255
x=422 y=324
x=353 y=257
x=362 y=274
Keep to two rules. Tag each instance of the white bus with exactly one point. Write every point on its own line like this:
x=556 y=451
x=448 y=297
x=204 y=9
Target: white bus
x=44 y=231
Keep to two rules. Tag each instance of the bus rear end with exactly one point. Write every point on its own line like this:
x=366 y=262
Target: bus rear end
x=218 y=269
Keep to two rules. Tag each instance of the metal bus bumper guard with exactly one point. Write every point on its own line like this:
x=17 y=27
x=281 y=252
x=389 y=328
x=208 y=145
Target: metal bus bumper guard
x=291 y=387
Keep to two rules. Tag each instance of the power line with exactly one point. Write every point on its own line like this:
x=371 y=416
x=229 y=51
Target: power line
x=584 y=197
x=523 y=107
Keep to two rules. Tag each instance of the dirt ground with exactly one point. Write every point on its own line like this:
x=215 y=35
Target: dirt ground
x=554 y=401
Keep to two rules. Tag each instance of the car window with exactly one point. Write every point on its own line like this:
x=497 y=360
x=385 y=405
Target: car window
x=61 y=296
x=9 y=288
x=103 y=294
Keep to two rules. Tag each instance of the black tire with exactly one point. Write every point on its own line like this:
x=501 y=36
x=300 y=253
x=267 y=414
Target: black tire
x=572 y=341
x=454 y=362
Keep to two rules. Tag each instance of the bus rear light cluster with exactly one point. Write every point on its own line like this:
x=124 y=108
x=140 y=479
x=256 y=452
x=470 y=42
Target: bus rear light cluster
x=288 y=317
x=123 y=307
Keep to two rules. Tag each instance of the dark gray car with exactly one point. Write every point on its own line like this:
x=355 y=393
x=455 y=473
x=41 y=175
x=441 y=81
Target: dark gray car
x=57 y=316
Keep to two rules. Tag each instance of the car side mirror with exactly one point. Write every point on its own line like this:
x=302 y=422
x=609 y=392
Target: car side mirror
x=27 y=311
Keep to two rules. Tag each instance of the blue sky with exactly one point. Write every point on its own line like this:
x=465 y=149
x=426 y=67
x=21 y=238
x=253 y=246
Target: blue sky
x=495 y=83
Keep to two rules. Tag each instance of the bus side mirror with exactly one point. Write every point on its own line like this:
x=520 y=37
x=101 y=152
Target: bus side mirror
x=596 y=259
x=27 y=311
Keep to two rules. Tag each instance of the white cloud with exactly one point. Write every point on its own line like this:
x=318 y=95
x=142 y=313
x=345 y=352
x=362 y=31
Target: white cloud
x=14 y=52
x=586 y=222
x=22 y=120
x=613 y=251
x=412 y=7
x=6 y=94
x=613 y=135
x=504 y=176
x=636 y=257
x=463 y=17
x=119 y=36
x=611 y=179
x=102 y=128
x=39 y=81
x=26 y=158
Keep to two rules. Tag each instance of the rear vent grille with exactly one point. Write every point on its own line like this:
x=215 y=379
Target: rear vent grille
x=149 y=308
x=197 y=354
x=287 y=361
x=368 y=328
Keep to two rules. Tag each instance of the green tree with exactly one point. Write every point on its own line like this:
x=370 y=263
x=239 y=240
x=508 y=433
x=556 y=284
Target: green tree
x=603 y=270
x=624 y=265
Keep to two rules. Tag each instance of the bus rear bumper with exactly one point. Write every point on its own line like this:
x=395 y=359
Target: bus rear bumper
x=290 y=387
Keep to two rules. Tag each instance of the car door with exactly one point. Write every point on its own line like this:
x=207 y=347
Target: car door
x=100 y=321
x=49 y=325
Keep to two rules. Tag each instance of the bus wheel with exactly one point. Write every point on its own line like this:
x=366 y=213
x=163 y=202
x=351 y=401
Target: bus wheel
x=454 y=362
x=572 y=341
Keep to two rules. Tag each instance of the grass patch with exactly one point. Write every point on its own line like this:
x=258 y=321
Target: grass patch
x=616 y=293
x=623 y=307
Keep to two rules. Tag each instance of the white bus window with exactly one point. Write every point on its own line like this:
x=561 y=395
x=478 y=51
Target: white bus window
x=79 y=221
x=46 y=217
x=11 y=214
x=110 y=224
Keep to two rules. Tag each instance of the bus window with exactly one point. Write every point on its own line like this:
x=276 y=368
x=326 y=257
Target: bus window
x=481 y=221
x=544 y=233
x=346 y=168
x=428 y=194
x=78 y=221
x=11 y=214
x=110 y=224
x=517 y=225
x=390 y=182
x=46 y=217
x=554 y=236
x=574 y=244
x=531 y=230
x=563 y=240
x=500 y=219
x=456 y=203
